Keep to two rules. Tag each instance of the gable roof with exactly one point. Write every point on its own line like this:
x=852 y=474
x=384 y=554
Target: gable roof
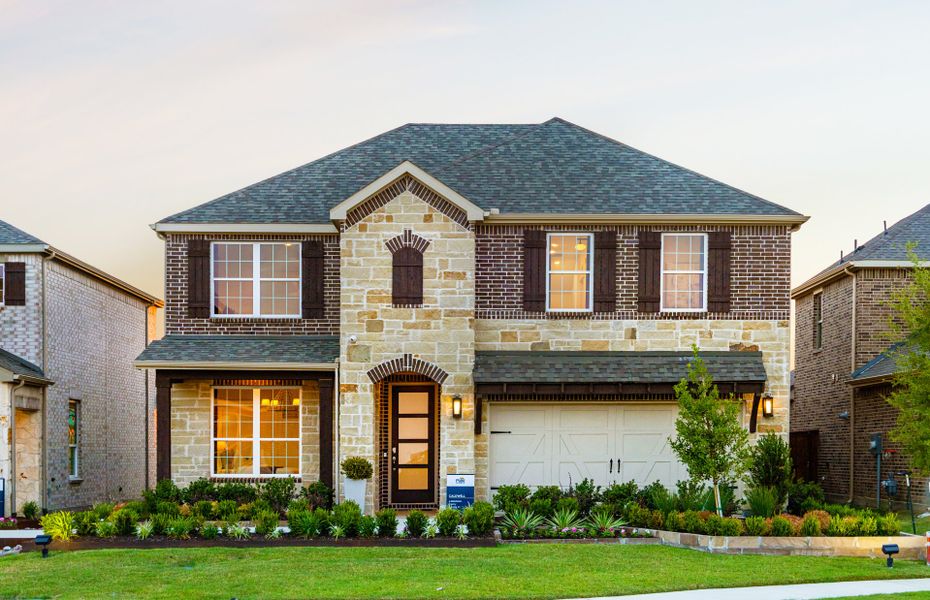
x=20 y=368
x=10 y=235
x=553 y=168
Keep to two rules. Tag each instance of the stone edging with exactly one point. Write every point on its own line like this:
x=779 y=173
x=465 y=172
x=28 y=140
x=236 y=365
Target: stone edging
x=912 y=547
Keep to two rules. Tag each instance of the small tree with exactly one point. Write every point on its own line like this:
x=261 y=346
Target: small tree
x=770 y=466
x=911 y=393
x=710 y=439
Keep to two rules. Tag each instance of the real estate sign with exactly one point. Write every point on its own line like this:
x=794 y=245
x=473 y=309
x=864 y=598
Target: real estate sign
x=460 y=491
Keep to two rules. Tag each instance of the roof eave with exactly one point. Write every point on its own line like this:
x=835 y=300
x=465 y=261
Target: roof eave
x=242 y=366
x=793 y=221
x=22 y=248
x=93 y=271
x=876 y=379
x=847 y=267
x=234 y=228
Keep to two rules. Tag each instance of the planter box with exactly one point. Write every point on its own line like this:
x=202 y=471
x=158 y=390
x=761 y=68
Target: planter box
x=912 y=547
x=354 y=489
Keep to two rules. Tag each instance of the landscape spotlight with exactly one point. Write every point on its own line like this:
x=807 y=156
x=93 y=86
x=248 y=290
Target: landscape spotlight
x=890 y=550
x=44 y=541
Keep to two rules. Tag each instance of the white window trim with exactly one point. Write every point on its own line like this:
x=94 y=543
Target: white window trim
x=76 y=472
x=589 y=272
x=818 y=323
x=256 y=280
x=256 y=433
x=662 y=307
x=3 y=282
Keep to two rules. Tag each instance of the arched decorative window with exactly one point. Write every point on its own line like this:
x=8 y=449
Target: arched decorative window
x=407 y=284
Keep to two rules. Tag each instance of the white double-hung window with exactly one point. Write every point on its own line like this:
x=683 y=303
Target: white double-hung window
x=260 y=279
x=569 y=272
x=684 y=272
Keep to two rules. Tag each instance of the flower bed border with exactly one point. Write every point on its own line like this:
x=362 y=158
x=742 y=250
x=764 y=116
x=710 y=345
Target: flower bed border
x=912 y=547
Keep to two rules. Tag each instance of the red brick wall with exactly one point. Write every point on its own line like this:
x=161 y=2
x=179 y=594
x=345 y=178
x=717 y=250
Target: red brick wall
x=760 y=269
x=177 y=321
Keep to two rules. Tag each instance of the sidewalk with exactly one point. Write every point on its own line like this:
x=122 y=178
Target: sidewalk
x=806 y=591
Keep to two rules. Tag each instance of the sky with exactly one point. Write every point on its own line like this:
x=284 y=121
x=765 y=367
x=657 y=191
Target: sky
x=114 y=115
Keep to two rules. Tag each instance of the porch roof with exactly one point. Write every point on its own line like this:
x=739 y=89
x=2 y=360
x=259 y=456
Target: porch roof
x=15 y=368
x=241 y=352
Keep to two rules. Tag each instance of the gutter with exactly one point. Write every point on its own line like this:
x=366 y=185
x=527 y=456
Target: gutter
x=647 y=219
x=242 y=366
x=846 y=268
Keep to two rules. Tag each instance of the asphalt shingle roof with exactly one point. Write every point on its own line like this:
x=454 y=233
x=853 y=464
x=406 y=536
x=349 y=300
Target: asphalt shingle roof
x=553 y=167
x=883 y=365
x=612 y=367
x=19 y=366
x=242 y=348
x=14 y=235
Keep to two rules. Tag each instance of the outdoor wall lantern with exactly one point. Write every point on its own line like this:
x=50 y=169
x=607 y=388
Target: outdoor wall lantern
x=457 y=407
x=768 y=406
x=44 y=541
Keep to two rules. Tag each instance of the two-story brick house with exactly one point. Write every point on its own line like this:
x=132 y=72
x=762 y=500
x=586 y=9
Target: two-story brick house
x=844 y=360
x=73 y=409
x=509 y=301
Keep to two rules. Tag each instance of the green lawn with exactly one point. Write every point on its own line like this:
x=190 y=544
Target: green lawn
x=513 y=571
x=923 y=525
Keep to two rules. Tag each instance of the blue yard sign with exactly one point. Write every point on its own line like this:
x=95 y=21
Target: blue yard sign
x=460 y=491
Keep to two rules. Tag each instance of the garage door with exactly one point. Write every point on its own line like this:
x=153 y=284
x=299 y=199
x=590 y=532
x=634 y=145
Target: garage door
x=561 y=444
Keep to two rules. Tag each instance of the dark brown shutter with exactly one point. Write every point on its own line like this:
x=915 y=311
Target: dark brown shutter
x=718 y=272
x=198 y=279
x=14 y=284
x=650 y=267
x=605 y=271
x=534 y=270
x=312 y=278
x=407 y=277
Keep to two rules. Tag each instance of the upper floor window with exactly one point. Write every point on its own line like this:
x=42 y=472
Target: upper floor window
x=260 y=279
x=2 y=281
x=684 y=272
x=74 y=439
x=818 y=321
x=569 y=272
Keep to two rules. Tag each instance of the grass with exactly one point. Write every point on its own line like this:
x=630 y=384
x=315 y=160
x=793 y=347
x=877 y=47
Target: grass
x=510 y=571
x=904 y=519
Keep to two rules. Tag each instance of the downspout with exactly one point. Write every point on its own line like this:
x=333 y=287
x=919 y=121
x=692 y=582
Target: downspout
x=45 y=482
x=852 y=390
x=13 y=475
x=145 y=405
x=337 y=436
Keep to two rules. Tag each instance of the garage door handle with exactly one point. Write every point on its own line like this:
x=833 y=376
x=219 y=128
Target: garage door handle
x=611 y=465
x=500 y=432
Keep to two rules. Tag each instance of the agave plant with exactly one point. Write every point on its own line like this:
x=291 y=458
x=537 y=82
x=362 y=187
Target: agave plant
x=521 y=521
x=564 y=518
x=603 y=520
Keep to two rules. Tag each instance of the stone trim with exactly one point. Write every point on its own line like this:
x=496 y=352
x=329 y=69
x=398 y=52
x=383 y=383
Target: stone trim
x=408 y=239
x=405 y=184
x=630 y=315
x=407 y=364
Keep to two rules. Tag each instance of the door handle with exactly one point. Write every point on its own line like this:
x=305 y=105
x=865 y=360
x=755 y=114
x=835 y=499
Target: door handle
x=611 y=465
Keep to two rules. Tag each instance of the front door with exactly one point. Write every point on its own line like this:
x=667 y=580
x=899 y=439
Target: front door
x=413 y=444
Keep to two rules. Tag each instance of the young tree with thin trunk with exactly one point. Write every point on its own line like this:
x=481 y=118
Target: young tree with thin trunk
x=710 y=438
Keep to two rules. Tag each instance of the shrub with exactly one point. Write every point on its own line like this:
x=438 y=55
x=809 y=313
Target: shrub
x=479 y=518
x=841 y=510
x=125 y=520
x=204 y=508
x=318 y=494
x=85 y=523
x=647 y=493
x=638 y=515
x=59 y=525
x=240 y=493
x=570 y=504
x=822 y=516
x=692 y=522
x=227 y=510
x=347 y=515
x=770 y=467
x=509 y=498
x=762 y=501
x=888 y=524
x=248 y=511
x=521 y=522
x=303 y=523
x=278 y=493
x=179 y=528
x=416 y=523
x=167 y=491
x=325 y=520
x=165 y=507
x=31 y=510
x=756 y=526
x=804 y=496
x=780 y=527
x=209 y=531
x=587 y=494
x=619 y=494
x=337 y=532
x=356 y=467
x=673 y=521
x=367 y=526
x=837 y=526
x=603 y=522
x=387 y=522
x=868 y=525
x=144 y=530
x=105 y=529
x=160 y=523
x=266 y=521
x=139 y=507
x=662 y=500
x=727 y=498
x=810 y=527
x=448 y=519
x=731 y=527
x=713 y=525
x=552 y=493
x=236 y=531
x=299 y=504
x=199 y=491
x=542 y=507
x=794 y=521
x=564 y=519
x=656 y=518
x=103 y=510
x=692 y=495
x=185 y=510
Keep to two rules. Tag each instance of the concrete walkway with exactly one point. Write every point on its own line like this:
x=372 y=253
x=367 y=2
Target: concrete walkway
x=806 y=591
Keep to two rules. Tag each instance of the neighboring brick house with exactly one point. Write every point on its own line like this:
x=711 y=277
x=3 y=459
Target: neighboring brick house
x=509 y=301
x=844 y=362
x=73 y=410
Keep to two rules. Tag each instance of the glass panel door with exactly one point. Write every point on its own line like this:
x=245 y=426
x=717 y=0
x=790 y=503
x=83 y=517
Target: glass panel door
x=413 y=447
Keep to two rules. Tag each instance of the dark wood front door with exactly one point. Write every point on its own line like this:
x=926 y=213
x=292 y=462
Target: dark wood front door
x=804 y=447
x=413 y=444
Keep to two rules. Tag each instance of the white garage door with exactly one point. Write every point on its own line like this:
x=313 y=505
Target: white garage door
x=559 y=444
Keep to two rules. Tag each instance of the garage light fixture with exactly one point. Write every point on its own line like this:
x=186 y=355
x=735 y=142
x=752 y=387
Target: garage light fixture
x=768 y=406
x=457 y=406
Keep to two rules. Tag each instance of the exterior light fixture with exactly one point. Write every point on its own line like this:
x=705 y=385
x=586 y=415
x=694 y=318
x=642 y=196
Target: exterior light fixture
x=890 y=550
x=456 y=407
x=768 y=406
x=266 y=401
x=44 y=541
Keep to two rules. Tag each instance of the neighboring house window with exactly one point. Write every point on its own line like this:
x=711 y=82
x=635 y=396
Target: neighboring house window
x=818 y=321
x=256 y=279
x=684 y=272
x=256 y=432
x=74 y=439
x=569 y=272
x=2 y=281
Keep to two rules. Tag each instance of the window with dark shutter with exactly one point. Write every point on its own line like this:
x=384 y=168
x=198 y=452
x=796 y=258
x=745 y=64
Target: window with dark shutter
x=198 y=279
x=534 y=270
x=650 y=267
x=14 y=292
x=407 y=285
x=312 y=304
x=605 y=271
x=718 y=272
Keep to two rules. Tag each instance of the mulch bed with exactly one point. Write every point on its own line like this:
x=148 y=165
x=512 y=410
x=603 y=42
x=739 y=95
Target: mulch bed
x=129 y=542
x=615 y=540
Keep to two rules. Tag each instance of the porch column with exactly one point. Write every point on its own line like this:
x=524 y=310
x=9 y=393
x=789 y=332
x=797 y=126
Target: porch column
x=162 y=426
x=326 y=431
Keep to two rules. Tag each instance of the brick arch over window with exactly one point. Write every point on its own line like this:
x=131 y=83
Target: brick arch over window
x=407 y=239
x=406 y=183
x=407 y=364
